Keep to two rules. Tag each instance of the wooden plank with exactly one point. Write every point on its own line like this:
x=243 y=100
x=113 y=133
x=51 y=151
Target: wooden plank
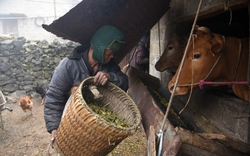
x=190 y=150
x=211 y=111
x=207 y=10
x=214 y=143
x=152 y=115
x=229 y=142
x=191 y=118
x=151 y=142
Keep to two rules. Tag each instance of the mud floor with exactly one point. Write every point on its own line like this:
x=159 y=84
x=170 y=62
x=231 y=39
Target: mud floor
x=28 y=136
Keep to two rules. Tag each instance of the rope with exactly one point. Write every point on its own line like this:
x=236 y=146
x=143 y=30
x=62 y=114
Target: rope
x=248 y=75
x=192 y=84
x=226 y=7
x=192 y=81
x=202 y=82
x=160 y=135
x=217 y=59
x=49 y=145
x=238 y=61
x=181 y=66
x=198 y=83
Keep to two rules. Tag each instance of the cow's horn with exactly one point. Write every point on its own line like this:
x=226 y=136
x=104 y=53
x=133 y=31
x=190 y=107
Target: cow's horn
x=204 y=29
x=196 y=27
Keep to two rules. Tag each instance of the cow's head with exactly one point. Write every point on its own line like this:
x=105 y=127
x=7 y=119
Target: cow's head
x=204 y=49
x=172 y=55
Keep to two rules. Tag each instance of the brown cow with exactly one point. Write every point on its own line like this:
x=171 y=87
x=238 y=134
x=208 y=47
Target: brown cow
x=172 y=55
x=207 y=48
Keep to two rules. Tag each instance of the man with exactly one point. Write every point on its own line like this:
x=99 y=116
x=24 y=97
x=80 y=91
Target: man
x=95 y=60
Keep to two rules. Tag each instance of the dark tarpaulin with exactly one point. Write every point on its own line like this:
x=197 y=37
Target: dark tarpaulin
x=133 y=17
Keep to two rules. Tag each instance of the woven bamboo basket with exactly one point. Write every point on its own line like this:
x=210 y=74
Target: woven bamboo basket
x=83 y=132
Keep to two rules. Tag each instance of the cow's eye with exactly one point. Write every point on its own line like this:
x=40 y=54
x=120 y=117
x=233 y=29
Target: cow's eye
x=197 y=55
x=170 y=48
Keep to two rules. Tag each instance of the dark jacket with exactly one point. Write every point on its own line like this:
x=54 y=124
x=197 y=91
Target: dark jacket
x=70 y=72
x=140 y=58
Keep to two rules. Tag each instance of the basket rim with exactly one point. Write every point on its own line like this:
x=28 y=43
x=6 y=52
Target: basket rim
x=138 y=115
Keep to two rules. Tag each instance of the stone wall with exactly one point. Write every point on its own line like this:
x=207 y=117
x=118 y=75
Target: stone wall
x=25 y=63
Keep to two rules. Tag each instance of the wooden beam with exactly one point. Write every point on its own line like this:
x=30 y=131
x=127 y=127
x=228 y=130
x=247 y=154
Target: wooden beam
x=211 y=11
x=151 y=142
x=214 y=143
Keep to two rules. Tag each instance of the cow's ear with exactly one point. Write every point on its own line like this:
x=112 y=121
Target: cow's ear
x=206 y=32
x=216 y=44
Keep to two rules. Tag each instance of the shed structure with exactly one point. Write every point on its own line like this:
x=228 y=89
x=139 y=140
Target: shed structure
x=163 y=18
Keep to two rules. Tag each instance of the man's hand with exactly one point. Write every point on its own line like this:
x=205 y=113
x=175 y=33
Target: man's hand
x=101 y=78
x=53 y=134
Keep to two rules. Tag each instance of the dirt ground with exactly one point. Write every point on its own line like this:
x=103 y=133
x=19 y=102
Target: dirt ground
x=28 y=136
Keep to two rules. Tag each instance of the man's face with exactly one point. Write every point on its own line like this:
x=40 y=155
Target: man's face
x=108 y=55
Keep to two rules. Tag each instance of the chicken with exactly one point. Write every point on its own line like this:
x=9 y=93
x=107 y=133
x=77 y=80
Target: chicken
x=26 y=104
x=42 y=89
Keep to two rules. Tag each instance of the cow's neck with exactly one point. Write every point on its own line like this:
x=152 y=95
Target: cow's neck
x=230 y=58
x=234 y=59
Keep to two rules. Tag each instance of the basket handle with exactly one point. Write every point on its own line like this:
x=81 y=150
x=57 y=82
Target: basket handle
x=50 y=145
